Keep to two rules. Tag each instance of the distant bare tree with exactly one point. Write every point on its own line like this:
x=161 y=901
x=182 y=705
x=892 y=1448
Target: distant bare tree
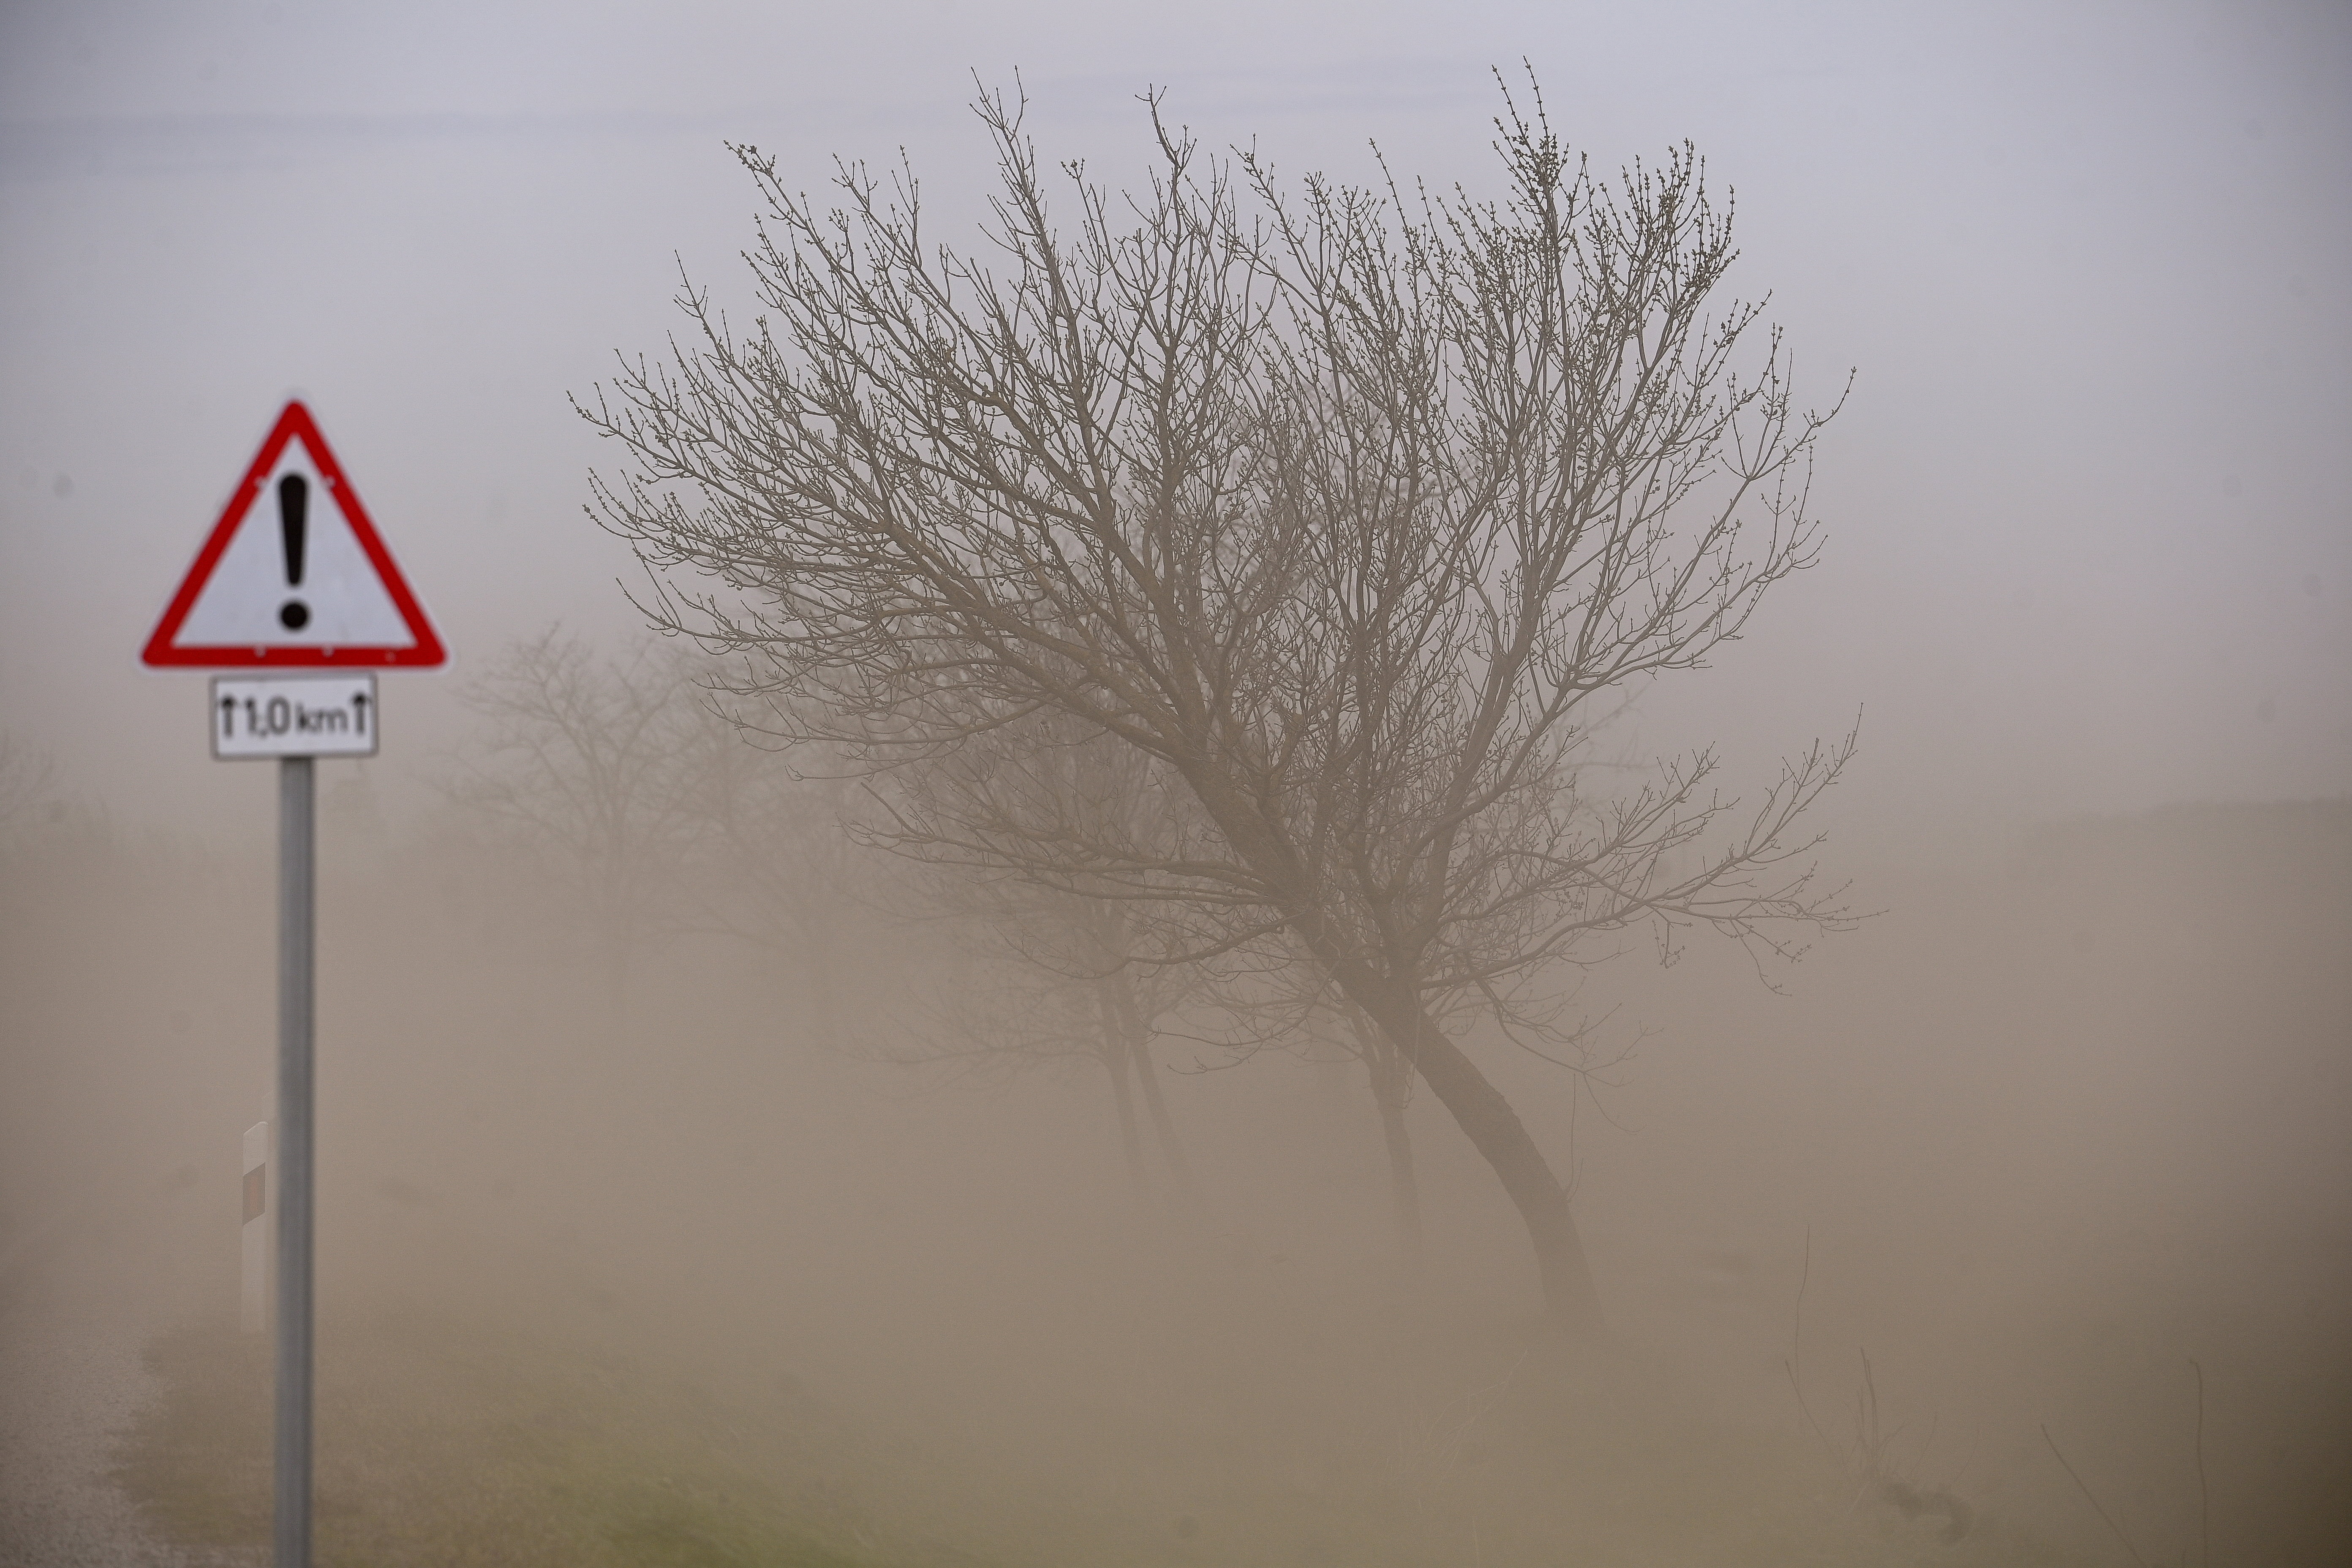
x=1344 y=511
x=1046 y=782
x=1051 y=988
x=593 y=760
x=1391 y=1079
x=28 y=783
x=1017 y=817
x=774 y=866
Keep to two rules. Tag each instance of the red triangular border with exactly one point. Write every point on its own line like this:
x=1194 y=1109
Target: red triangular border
x=295 y=421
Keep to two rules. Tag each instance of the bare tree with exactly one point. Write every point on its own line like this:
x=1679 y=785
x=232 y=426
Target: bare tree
x=1137 y=997
x=1343 y=510
x=774 y=866
x=591 y=760
x=1050 y=788
x=1058 y=988
x=28 y=785
x=1390 y=1077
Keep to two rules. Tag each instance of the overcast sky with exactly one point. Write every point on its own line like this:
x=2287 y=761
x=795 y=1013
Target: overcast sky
x=2090 y=544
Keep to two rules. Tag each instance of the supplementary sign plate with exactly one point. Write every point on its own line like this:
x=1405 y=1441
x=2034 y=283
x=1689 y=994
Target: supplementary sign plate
x=293 y=716
x=294 y=573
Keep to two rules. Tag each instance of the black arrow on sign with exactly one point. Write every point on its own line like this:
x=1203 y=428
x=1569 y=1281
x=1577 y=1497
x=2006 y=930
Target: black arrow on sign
x=228 y=718
x=359 y=706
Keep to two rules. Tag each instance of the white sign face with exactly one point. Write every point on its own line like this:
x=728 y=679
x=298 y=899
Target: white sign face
x=323 y=715
x=294 y=575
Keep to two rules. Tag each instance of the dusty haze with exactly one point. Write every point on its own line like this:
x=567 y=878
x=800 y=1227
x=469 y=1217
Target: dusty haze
x=2072 y=1112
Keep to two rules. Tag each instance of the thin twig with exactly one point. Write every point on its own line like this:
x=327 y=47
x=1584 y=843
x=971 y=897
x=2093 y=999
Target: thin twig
x=1794 y=1364
x=2204 y=1499
x=2093 y=1501
x=1870 y=1447
x=1797 y=1326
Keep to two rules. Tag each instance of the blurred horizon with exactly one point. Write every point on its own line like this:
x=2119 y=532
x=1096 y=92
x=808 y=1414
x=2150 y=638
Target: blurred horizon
x=2087 y=542
x=711 y=1128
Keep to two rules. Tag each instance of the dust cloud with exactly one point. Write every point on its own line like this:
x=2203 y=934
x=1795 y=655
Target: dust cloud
x=659 y=1221
x=2001 y=1182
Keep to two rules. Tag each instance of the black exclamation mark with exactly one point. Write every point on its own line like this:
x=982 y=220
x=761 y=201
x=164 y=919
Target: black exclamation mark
x=293 y=500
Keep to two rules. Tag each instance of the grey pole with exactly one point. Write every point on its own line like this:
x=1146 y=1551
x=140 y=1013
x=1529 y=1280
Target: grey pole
x=296 y=885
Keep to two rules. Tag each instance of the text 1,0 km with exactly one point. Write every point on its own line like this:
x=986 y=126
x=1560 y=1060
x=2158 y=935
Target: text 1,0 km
x=294 y=716
x=281 y=716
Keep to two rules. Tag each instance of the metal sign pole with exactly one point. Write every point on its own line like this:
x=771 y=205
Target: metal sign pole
x=297 y=883
x=310 y=603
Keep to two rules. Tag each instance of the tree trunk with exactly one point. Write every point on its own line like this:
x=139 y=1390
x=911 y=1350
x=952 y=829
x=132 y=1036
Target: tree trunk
x=1404 y=1189
x=1388 y=1084
x=1478 y=1107
x=1114 y=1057
x=1146 y=1073
x=613 y=956
x=1390 y=1081
x=818 y=965
x=1496 y=1131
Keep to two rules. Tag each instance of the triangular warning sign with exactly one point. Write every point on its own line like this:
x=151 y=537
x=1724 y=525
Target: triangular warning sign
x=294 y=575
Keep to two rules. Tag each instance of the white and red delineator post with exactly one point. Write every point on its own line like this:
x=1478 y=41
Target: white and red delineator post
x=253 y=1272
